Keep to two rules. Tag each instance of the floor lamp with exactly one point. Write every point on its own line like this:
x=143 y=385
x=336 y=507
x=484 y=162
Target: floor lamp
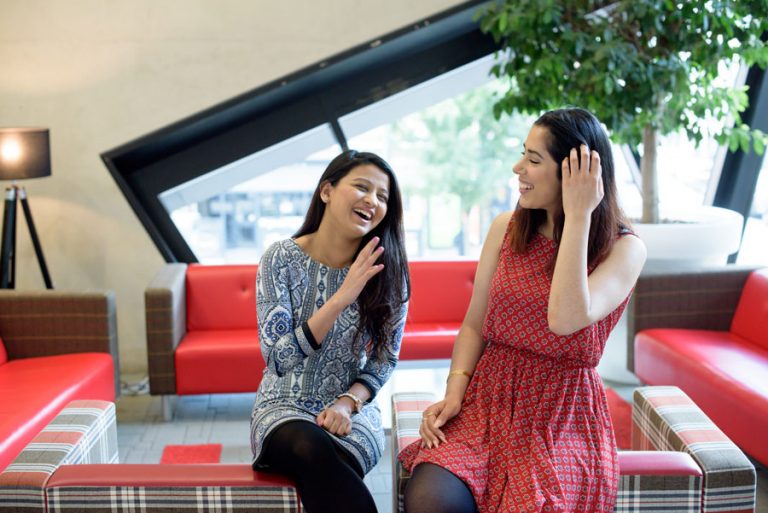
x=24 y=153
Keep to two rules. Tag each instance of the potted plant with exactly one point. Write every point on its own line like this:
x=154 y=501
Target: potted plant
x=645 y=68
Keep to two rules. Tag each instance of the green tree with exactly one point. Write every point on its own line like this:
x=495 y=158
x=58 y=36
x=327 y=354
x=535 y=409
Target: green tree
x=645 y=68
x=466 y=151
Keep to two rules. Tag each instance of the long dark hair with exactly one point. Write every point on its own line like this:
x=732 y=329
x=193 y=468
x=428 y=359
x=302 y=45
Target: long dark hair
x=570 y=128
x=386 y=292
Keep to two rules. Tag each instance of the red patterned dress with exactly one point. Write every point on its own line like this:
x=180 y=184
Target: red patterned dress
x=534 y=433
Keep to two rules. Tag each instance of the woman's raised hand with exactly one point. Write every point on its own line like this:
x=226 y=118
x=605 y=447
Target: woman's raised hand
x=582 y=182
x=435 y=417
x=362 y=269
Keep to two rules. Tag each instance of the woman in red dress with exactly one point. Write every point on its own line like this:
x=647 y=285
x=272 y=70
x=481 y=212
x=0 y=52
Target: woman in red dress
x=524 y=425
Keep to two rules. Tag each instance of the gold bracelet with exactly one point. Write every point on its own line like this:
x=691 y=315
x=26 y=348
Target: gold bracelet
x=459 y=372
x=358 y=402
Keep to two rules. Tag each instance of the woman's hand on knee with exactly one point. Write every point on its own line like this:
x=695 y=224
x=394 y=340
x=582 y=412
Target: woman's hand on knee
x=435 y=417
x=336 y=419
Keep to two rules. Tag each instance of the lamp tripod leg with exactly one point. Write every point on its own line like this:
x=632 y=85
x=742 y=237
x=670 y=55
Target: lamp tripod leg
x=34 y=237
x=7 y=252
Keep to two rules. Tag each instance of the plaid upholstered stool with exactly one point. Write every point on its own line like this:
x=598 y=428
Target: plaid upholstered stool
x=680 y=462
x=72 y=466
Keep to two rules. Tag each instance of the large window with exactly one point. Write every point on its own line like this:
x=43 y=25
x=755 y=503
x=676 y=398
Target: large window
x=233 y=214
x=221 y=185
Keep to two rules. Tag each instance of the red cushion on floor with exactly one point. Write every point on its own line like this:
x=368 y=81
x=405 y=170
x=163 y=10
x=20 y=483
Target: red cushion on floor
x=720 y=371
x=218 y=361
x=34 y=390
x=427 y=341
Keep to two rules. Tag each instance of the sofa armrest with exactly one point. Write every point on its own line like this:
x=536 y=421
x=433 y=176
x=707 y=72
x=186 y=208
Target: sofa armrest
x=85 y=431
x=166 y=324
x=666 y=419
x=54 y=322
x=702 y=299
x=406 y=417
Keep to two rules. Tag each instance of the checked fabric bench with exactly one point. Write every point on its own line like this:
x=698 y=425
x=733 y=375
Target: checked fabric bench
x=680 y=462
x=72 y=466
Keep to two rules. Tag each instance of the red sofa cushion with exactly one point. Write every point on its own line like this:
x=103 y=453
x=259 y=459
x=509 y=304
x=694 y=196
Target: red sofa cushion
x=221 y=297
x=159 y=476
x=3 y=353
x=34 y=390
x=427 y=341
x=751 y=317
x=722 y=372
x=440 y=291
x=654 y=463
x=218 y=361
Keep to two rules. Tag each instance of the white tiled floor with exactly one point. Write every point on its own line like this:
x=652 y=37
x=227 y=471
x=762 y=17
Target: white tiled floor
x=224 y=419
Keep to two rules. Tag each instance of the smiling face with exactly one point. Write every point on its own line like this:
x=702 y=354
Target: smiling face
x=358 y=202
x=537 y=173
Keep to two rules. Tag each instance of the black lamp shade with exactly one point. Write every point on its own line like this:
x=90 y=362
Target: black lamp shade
x=24 y=153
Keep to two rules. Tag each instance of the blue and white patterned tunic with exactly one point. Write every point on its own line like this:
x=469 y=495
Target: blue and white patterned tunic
x=301 y=381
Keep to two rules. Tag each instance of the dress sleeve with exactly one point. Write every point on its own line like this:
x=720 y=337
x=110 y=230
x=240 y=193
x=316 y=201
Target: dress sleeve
x=377 y=371
x=284 y=341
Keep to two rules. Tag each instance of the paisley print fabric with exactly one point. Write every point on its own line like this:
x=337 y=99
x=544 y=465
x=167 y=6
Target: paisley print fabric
x=534 y=433
x=301 y=381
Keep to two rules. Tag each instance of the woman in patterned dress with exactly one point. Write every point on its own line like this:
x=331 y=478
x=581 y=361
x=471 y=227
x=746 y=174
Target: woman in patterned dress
x=524 y=425
x=331 y=305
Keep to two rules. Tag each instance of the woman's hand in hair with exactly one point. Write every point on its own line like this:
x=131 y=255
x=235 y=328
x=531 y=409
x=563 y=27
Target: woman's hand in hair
x=362 y=269
x=582 y=182
x=336 y=419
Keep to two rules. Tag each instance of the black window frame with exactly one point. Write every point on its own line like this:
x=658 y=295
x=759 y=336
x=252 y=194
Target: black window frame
x=322 y=93
x=316 y=95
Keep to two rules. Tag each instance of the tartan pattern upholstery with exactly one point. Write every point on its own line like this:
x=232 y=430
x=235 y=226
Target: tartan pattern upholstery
x=668 y=493
x=166 y=318
x=666 y=419
x=83 y=432
x=703 y=299
x=406 y=417
x=53 y=322
x=193 y=499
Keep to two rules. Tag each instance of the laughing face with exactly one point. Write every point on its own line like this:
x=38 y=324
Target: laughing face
x=540 y=187
x=358 y=202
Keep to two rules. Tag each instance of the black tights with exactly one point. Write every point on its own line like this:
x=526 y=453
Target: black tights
x=432 y=489
x=327 y=477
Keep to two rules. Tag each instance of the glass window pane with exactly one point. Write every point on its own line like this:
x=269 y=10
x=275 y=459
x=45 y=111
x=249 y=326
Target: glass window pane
x=233 y=214
x=452 y=157
x=754 y=245
x=688 y=175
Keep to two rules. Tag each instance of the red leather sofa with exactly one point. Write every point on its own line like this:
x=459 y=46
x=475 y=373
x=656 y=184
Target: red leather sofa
x=707 y=333
x=54 y=347
x=202 y=335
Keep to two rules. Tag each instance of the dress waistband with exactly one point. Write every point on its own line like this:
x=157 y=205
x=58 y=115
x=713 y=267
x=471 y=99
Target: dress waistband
x=556 y=360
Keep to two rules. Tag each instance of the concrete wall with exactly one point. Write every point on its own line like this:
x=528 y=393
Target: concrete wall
x=99 y=73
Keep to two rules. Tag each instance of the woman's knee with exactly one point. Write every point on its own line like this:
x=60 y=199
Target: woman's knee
x=304 y=444
x=433 y=489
